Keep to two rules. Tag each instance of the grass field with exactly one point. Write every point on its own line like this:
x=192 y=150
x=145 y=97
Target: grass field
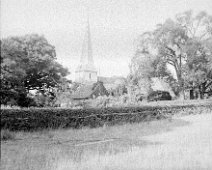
x=46 y=149
x=180 y=142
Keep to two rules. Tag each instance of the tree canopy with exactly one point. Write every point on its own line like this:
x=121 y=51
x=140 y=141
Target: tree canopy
x=184 y=43
x=28 y=63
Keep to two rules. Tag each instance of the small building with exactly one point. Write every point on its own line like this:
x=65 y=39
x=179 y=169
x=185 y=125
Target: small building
x=161 y=85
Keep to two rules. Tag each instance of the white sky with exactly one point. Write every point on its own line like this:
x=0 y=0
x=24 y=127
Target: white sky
x=115 y=24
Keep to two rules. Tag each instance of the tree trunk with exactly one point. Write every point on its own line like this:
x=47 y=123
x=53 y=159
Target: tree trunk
x=180 y=82
x=192 y=94
x=182 y=90
x=201 y=91
x=182 y=95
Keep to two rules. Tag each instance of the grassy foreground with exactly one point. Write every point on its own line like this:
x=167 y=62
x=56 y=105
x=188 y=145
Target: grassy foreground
x=45 y=150
x=70 y=149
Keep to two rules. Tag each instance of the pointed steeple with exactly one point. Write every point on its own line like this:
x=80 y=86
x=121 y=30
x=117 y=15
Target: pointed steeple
x=86 y=71
x=87 y=54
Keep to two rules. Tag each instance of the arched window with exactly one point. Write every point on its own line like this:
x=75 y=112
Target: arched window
x=89 y=75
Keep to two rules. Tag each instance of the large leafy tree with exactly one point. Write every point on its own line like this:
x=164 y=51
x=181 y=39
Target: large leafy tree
x=28 y=63
x=146 y=64
x=198 y=68
x=184 y=44
x=170 y=39
x=141 y=69
x=198 y=51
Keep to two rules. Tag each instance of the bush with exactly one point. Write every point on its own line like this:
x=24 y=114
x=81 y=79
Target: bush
x=110 y=101
x=25 y=101
x=102 y=101
x=43 y=118
x=7 y=135
x=14 y=98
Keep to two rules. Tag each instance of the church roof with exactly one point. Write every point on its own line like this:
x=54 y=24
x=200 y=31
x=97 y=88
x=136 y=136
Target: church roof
x=158 y=84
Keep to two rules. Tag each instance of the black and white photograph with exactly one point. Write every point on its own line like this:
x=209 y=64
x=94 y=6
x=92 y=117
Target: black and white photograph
x=106 y=84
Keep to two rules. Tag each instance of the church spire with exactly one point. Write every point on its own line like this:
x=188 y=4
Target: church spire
x=86 y=71
x=87 y=54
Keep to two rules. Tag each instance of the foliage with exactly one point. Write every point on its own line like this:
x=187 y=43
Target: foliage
x=7 y=135
x=28 y=63
x=184 y=44
x=44 y=118
x=145 y=65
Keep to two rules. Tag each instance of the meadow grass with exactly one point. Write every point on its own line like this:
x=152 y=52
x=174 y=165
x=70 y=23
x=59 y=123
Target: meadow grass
x=121 y=147
x=46 y=149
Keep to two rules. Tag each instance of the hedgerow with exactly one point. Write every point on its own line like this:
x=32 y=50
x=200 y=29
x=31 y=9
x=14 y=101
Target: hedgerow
x=30 y=119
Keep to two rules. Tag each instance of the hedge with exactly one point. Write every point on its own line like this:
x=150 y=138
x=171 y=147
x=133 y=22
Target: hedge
x=43 y=118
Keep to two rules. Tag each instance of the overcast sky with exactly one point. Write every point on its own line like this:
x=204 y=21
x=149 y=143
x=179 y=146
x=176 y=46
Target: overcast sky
x=115 y=24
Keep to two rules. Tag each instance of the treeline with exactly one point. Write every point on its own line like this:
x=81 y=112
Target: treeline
x=183 y=44
x=28 y=63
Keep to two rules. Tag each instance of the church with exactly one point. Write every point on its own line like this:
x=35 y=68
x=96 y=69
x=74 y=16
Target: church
x=86 y=73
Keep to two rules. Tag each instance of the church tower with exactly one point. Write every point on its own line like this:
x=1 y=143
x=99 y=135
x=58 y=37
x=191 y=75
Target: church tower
x=86 y=72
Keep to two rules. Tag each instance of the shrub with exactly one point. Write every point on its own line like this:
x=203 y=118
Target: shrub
x=25 y=101
x=101 y=102
x=7 y=135
x=44 y=118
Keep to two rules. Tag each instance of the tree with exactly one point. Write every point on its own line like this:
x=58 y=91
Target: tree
x=198 y=67
x=198 y=48
x=184 y=44
x=170 y=39
x=146 y=64
x=141 y=66
x=28 y=63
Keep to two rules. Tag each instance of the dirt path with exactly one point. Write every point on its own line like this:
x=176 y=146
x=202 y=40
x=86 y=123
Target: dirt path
x=183 y=148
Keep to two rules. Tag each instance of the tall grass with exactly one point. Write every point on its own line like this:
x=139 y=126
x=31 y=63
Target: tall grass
x=50 y=149
x=109 y=147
